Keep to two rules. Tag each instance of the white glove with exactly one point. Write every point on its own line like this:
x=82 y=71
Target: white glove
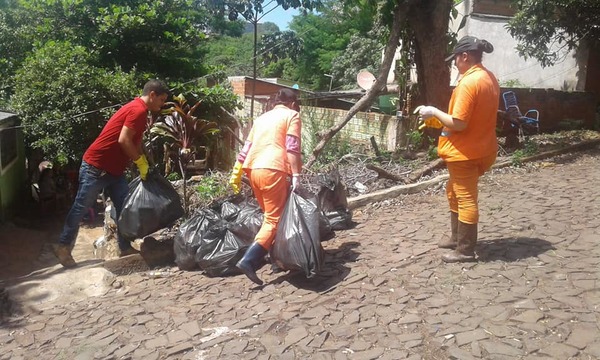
x=425 y=112
x=295 y=181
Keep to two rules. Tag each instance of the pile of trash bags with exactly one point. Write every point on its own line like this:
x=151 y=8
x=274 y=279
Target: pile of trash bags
x=214 y=239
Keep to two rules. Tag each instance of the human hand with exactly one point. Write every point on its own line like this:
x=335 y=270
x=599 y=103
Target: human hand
x=427 y=117
x=142 y=165
x=295 y=181
x=425 y=112
x=236 y=178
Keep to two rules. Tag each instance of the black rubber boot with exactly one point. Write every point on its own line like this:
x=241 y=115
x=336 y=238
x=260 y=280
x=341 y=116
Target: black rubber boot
x=465 y=249
x=450 y=242
x=252 y=261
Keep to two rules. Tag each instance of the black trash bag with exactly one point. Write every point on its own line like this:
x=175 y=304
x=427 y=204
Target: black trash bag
x=248 y=221
x=339 y=219
x=297 y=244
x=333 y=200
x=189 y=237
x=151 y=205
x=220 y=251
x=229 y=211
x=215 y=238
x=325 y=230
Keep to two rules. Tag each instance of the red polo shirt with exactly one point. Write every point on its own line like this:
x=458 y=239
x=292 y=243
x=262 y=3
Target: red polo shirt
x=105 y=152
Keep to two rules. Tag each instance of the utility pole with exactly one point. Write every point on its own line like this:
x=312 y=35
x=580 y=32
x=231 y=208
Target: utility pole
x=330 y=80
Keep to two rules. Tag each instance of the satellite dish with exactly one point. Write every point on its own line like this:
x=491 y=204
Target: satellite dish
x=365 y=79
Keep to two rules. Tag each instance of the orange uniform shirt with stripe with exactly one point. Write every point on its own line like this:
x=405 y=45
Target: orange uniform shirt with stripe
x=268 y=137
x=474 y=100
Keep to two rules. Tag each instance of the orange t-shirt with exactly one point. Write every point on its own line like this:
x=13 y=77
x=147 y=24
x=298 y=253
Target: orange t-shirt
x=474 y=100
x=268 y=136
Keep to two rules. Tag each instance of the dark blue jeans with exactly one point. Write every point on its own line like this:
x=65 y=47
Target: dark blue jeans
x=91 y=182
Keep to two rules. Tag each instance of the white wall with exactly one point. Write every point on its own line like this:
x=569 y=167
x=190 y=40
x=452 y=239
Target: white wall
x=508 y=66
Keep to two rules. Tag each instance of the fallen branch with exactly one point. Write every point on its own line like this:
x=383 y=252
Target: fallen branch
x=426 y=170
x=381 y=173
x=385 y=194
x=392 y=192
x=577 y=147
x=414 y=177
x=378 y=86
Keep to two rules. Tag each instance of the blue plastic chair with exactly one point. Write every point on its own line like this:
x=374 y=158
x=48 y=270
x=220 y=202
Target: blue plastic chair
x=526 y=124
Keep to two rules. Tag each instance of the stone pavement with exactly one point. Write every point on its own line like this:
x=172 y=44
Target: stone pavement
x=383 y=293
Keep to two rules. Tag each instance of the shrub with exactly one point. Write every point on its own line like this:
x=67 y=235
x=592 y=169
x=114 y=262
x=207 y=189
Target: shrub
x=60 y=94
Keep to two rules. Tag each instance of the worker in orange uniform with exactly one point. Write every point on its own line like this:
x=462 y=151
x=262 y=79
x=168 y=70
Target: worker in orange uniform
x=270 y=157
x=467 y=143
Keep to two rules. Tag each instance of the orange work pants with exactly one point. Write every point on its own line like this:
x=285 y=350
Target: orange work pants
x=462 y=186
x=271 y=189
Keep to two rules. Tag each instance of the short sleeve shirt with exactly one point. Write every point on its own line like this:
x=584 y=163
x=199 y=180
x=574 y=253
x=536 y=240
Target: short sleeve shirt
x=105 y=152
x=268 y=136
x=474 y=100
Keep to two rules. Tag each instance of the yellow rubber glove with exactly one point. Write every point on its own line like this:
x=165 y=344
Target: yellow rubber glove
x=427 y=121
x=432 y=122
x=142 y=164
x=236 y=177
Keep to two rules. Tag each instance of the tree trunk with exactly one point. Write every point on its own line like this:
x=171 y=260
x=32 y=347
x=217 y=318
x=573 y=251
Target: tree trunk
x=378 y=86
x=429 y=21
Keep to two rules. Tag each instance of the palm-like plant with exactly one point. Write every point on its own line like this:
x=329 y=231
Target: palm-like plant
x=183 y=132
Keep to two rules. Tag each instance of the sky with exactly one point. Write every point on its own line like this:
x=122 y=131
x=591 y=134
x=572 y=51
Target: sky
x=280 y=17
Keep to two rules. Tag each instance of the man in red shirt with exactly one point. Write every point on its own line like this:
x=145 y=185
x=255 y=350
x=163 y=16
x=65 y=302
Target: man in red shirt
x=104 y=164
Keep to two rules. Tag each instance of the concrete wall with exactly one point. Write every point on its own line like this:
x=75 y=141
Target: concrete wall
x=557 y=108
x=360 y=128
x=568 y=74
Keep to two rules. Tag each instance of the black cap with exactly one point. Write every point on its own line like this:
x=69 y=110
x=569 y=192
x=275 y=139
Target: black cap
x=470 y=43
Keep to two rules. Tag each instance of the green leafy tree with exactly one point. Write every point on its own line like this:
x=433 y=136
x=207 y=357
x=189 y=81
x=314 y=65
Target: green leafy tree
x=56 y=84
x=544 y=29
x=279 y=45
x=360 y=53
x=221 y=26
x=233 y=54
x=157 y=37
x=253 y=12
x=13 y=49
x=284 y=68
x=326 y=35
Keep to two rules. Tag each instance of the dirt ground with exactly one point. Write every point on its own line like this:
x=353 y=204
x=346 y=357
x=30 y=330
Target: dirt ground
x=25 y=248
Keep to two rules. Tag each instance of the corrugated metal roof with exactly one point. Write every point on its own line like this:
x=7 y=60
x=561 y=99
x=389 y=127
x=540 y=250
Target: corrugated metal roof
x=6 y=115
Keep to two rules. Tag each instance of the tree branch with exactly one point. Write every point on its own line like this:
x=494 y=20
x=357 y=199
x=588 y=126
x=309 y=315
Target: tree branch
x=371 y=94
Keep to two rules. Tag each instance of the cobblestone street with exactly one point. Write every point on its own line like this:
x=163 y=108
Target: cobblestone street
x=384 y=293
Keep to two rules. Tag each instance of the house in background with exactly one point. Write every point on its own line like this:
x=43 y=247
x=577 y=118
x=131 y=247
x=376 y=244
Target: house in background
x=317 y=107
x=576 y=70
x=13 y=175
x=567 y=92
x=265 y=87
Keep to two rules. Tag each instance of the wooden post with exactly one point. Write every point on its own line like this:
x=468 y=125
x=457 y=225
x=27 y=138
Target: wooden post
x=375 y=147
